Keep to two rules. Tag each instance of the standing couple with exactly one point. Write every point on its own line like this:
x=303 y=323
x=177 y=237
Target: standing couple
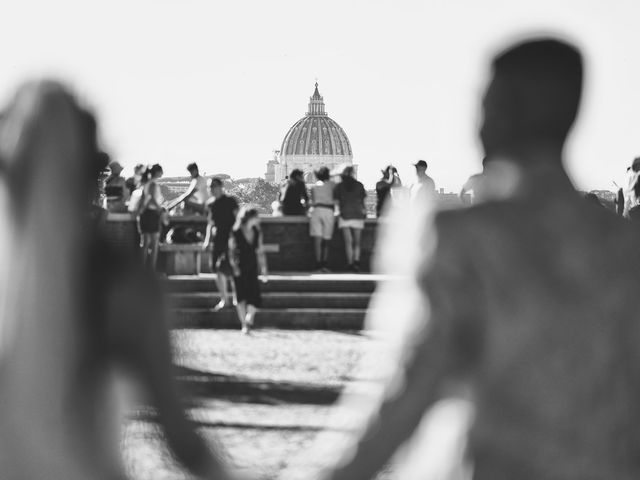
x=238 y=256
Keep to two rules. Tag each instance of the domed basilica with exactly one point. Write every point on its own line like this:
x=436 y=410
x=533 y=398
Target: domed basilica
x=312 y=142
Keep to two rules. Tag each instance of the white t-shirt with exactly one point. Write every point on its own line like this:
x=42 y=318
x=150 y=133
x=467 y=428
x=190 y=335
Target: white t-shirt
x=201 y=192
x=423 y=188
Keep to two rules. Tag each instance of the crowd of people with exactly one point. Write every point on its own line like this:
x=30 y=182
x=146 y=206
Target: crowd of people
x=338 y=198
x=237 y=254
x=327 y=200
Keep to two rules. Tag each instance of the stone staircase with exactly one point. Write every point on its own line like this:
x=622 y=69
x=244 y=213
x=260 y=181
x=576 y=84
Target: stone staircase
x=290 y=301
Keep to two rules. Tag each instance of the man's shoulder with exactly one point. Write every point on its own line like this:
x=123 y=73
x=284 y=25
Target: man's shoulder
x=480 y=218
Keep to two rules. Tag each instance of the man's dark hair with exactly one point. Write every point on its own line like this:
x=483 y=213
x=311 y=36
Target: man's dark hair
x=296 y=173
x=323 y=174
x=536 y=90
x=217 y=182
x=155 y=168
x=192 y=166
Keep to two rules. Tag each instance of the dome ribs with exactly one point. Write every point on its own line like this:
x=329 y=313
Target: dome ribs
x=314 y=130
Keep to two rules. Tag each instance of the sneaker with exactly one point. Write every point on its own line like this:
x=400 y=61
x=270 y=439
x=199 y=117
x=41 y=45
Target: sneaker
x=220 y=306
x=356 y=267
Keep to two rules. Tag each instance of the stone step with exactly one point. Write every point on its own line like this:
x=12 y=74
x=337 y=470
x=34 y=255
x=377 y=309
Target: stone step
x=275 y=300
x=288 y=318
x=353 y=283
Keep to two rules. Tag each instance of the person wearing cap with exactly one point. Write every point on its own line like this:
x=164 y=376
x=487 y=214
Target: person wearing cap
x=322 y=219
x=632 y=194
x=350 y=194
x=424 y=184
x=115 y=189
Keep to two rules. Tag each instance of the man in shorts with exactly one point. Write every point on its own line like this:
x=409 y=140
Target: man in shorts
x=221 y=215
x=322 y=219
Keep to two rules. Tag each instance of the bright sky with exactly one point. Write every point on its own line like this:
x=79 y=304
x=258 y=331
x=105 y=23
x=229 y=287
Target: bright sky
x=220 y=83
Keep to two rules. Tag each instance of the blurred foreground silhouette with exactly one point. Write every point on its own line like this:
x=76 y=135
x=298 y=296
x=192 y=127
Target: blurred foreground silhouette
x=525 y=307
x=74 y=314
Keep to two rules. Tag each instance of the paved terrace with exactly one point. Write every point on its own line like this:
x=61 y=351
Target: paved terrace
x=265 y=398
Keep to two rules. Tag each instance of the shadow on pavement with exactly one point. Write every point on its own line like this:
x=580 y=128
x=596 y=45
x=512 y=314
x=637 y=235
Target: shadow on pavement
x=196 y=383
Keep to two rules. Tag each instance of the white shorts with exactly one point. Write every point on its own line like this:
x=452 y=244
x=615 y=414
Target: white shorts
x=321 y=223
x=355 y=223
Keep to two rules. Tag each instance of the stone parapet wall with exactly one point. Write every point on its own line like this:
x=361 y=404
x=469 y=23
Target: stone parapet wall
x=289 y=247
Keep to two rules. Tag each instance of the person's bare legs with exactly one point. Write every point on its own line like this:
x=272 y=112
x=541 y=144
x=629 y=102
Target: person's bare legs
x=223 y=288
x=241 y=308
x=317 y=247
x=357 y=235
x=250 y=315
x=154 y=239
x=348 y=245
x=144 y=245
x=325 y=253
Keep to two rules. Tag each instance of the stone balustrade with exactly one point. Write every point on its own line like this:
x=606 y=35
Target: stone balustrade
x=288 y=245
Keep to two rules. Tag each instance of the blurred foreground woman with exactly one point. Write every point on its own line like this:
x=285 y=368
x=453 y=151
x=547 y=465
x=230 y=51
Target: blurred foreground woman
x=73 y=315
x=526 y=308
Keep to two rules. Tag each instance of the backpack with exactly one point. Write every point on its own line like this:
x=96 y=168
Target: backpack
x=136 y=201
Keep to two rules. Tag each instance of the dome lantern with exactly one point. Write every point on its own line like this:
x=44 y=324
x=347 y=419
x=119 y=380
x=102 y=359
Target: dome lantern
x=316 y=104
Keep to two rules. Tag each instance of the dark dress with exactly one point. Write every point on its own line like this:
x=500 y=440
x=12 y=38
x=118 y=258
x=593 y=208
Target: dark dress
x=247 y=284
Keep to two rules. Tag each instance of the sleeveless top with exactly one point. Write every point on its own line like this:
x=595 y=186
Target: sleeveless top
x=157 y=195
x=246 y=251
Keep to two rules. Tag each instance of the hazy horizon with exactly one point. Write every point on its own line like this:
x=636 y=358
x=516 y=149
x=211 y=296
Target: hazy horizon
x=176 y=82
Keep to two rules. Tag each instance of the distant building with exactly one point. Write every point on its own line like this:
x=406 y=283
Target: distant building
x=312 y=142
x=272 y=167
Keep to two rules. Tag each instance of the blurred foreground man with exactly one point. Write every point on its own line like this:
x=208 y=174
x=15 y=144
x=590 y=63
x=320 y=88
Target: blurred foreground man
x=530 y=304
